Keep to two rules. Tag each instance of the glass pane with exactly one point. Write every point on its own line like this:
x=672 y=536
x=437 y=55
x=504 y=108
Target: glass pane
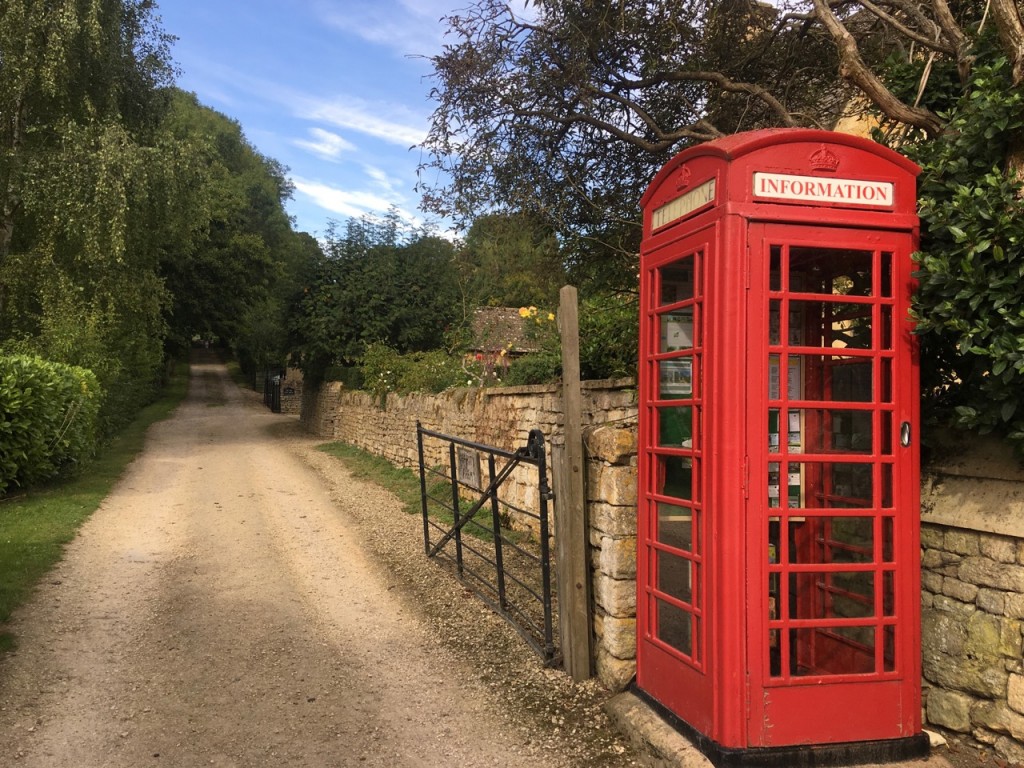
x=886 y=275
x=850 y=540
x=832 y=651
x=830 y=324
x=677 y=282
x=677 y=330
x=835 y=540
x=888 y=594
x=832 y=595
x=675 y=577
x=826 y=484
x=775 y=270
x=793 y=377
x=675 y=379
x=830 y=378
x=675 y=526
x=675 y=477
x=887 y=539
x=675 y=427
x=889 y=656
x=675 y=627
x=790 y=482
x=835 y=271
x=886 y=489
x=828 y=431
x=886 y=329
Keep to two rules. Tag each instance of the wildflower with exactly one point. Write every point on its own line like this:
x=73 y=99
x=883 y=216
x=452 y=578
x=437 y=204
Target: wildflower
x=551 y=315
x=524 y=312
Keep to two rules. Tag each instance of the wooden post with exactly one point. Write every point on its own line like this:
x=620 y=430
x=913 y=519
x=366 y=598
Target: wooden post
x=571 y=530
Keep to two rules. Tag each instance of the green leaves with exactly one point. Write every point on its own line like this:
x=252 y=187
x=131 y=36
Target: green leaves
x=48 y=419
x=969 y=305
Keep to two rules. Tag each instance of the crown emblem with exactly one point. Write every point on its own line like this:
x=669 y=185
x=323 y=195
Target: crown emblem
x=683 y=179
x=824 y=160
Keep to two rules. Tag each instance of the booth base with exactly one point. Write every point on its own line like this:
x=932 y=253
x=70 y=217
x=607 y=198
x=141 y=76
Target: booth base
x=667 y=742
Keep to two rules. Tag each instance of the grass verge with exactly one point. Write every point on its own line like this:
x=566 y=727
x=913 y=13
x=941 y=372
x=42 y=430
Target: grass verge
x=35 y=526
x=405 y=484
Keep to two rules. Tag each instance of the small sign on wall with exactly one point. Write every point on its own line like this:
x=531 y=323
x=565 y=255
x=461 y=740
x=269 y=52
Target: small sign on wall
x=467 y=462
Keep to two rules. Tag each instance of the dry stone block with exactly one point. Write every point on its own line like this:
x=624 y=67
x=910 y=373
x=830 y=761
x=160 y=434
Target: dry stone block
x=932 y=537
x=614 y=673
x=618 y=558
x=959 y=590
x=613 y=445
x=1014 y=606
x=992 y=601
x=1010 y=749
x=613 y=521
x=962 y=542
x=999 y=548
x=985 y=573
x=615 y=485
x=949 y=709
x=619 y=637
x=616 y=597
x=1015 y=693
x=932 y=582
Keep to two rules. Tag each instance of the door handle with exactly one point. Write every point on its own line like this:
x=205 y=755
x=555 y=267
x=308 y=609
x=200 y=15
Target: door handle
x=905 y=434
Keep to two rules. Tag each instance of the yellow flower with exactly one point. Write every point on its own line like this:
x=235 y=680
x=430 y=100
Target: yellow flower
x=524 y=312
x=551 y=315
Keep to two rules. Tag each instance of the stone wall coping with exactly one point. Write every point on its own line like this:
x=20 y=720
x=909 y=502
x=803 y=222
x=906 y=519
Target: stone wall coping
x=535 y=389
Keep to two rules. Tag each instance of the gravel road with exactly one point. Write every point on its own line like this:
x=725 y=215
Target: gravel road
x=239 y=600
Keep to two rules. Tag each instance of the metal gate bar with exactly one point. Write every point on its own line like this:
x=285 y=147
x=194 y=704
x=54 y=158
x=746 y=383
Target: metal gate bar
x=515 y=578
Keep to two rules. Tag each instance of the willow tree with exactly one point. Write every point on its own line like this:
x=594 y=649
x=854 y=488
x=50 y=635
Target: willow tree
x=83 y=169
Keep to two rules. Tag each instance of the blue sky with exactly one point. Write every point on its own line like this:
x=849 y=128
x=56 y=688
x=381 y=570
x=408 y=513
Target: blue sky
x=336 y=90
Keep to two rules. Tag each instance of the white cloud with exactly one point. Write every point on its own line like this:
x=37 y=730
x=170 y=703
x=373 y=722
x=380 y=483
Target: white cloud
x=356 y=115
x=341 y=201
x=325 y=144
x=410 y=27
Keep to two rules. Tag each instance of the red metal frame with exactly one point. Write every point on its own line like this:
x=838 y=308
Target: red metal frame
x=778 y=560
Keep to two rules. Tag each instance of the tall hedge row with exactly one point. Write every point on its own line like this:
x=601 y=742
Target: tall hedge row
x=48 y=419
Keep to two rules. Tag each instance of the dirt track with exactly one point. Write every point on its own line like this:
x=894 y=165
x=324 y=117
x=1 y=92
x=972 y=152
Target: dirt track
x=238 y=600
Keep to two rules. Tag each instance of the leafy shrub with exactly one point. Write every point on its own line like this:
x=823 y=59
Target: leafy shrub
x=386 y=370
x=968 y=306
x=609 y=328
x=48 y=419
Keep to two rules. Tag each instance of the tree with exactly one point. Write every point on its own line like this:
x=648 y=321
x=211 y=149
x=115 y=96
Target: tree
x=509 y=260
x=376 y=284
x=569 y=110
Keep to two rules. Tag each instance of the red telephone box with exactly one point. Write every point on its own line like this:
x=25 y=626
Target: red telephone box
x=778 y=557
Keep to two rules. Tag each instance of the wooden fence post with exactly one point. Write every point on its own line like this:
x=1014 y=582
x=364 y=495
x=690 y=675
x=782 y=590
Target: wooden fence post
x=571 y=533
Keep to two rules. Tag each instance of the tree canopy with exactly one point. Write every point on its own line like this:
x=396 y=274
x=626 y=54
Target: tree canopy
x=565 y=109
x=131 y=218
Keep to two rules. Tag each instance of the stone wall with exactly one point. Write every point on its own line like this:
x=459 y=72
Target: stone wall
x=503 y=417
x=972 y=582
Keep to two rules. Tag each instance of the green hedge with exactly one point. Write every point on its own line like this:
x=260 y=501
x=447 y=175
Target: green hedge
x=48 y=419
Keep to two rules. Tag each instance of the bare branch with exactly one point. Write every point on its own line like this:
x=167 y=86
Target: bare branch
x=853 y=68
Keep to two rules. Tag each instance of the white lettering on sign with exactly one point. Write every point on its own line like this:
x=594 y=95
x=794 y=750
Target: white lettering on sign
x=683 y=205
x=781 y=186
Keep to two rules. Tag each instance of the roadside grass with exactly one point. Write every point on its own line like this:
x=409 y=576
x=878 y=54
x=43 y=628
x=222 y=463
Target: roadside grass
x=405 y=484
x=37 y=524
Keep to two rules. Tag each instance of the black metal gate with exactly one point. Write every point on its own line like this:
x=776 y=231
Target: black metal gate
x=466 y=521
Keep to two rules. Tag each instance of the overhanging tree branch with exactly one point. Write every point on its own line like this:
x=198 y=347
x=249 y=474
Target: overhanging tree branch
x=853 y=68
